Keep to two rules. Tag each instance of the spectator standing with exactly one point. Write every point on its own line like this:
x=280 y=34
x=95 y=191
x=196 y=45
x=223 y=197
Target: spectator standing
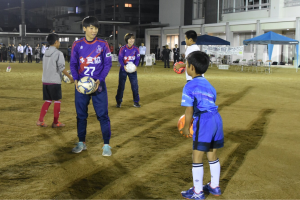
x=37 y=53
x=176 y=52
x=142 y=53
x=43 y=50
x=166 y=55
x=4 y=53
x=25 y=52
x=20 y=52
x=29 y=53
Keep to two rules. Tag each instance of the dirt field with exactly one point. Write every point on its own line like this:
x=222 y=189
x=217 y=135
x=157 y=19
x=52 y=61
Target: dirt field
x=151 y=160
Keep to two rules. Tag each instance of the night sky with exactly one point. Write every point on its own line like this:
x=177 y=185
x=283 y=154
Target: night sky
x=37 y=3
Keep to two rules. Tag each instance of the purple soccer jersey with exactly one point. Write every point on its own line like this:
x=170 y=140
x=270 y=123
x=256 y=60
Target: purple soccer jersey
x=127 y=54
x=91 y=59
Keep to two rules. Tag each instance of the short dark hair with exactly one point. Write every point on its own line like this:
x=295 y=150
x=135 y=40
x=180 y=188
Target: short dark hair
x=52 y=37
x=128 y=36
x=199 y=60
x=90 y=21
x=191 y=34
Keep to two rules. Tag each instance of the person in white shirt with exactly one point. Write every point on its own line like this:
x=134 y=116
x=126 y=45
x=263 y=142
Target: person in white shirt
x=20 y=52
x=142 y=49
x=43 y=50
x=190 y=40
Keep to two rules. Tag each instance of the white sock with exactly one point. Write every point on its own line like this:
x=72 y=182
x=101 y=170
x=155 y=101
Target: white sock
x=215 y=169
x=198 y=177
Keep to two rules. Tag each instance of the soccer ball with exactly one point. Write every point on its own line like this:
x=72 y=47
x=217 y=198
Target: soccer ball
x=66 y=79
x=86 y=85
x=8 y=69
x=180 y=70
x=130 y=67
x=181 y=123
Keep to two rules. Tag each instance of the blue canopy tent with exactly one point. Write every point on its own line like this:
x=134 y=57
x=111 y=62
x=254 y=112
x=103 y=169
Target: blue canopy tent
x=270 y=38
x=209 y=40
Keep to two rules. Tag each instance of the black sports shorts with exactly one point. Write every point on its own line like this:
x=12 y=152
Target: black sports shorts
x=52 y=92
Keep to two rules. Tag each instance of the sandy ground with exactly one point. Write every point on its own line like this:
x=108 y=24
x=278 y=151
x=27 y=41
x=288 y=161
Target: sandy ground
x=151 y=160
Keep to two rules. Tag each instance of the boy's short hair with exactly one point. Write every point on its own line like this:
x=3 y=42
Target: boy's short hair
x=191 y=34
x=128 y=36
x=199 y=60
x=52 y=37
x=90 y=21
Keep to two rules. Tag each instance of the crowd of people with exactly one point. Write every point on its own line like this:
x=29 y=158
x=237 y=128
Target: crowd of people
x=21 y=53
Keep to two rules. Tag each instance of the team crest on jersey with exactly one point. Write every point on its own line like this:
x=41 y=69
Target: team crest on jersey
x=81 y=47
x=99 y=49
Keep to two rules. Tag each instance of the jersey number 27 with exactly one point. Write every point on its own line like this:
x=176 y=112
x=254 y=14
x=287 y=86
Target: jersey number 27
x=88 y=69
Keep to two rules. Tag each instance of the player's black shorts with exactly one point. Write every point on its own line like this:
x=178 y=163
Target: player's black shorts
x=52 y=92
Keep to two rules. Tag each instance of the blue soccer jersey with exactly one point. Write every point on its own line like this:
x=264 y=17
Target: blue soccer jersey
x=127 y=54
x=91 y=59
x=200 y=94
x=207 y=124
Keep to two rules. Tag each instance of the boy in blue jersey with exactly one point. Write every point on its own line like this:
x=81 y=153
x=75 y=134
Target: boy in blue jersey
x=199 y=98
x=91 y=57
x=128 y=53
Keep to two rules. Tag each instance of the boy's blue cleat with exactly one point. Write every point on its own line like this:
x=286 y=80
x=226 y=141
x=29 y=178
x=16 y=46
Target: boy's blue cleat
x=214 y=191
x=106 y=150
x=79 y=148
x=191 y=194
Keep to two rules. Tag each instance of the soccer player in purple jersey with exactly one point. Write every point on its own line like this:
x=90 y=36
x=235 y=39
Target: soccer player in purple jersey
x=128 y=53
x=199 y=98
x=91 y=57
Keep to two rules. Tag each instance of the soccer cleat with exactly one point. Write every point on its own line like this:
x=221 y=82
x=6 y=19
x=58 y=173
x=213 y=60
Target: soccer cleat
x=191 y=194
x=137 y=105
x=41 y=124
x=57 y=125
x=214 y=191
x=79 y=148
x=118 y=105
x=106 y=150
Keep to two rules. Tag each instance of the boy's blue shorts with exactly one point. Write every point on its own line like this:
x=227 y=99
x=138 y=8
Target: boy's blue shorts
x=208 y=131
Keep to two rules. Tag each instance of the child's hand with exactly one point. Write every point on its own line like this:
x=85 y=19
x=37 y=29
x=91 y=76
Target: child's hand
x=71 y=79
x=97 y=85
x=185 y=132
x=76 y=85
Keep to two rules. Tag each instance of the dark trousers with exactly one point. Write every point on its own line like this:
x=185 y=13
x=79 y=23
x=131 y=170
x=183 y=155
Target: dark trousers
x=100 y=103
x=29 y=57
x=134 y=86
x=167 y=61
x=21 y=56
x=142 y=60
x=176 y=59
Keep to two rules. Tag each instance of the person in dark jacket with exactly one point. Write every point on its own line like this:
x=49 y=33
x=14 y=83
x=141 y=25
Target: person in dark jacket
x=176 y=54
x=166 y=56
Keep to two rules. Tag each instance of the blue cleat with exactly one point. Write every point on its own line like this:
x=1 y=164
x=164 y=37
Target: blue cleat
x=79 y=148
x=191 y=194
x=106 y=150
x=214 y=191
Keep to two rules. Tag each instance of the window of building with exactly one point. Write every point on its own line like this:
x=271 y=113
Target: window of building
x=128 y=5
x=198 y=9
x=231 y=6
x=64 y=39
x=290 y=3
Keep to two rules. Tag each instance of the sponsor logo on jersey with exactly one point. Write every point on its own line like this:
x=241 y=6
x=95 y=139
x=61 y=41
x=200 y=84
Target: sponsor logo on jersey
x=138 y=55
x=90 y=60
x=127 y=58
x=108 y=55
x=99 y=49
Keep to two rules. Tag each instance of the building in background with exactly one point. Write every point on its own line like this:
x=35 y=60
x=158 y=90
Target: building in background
x=232 y=20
